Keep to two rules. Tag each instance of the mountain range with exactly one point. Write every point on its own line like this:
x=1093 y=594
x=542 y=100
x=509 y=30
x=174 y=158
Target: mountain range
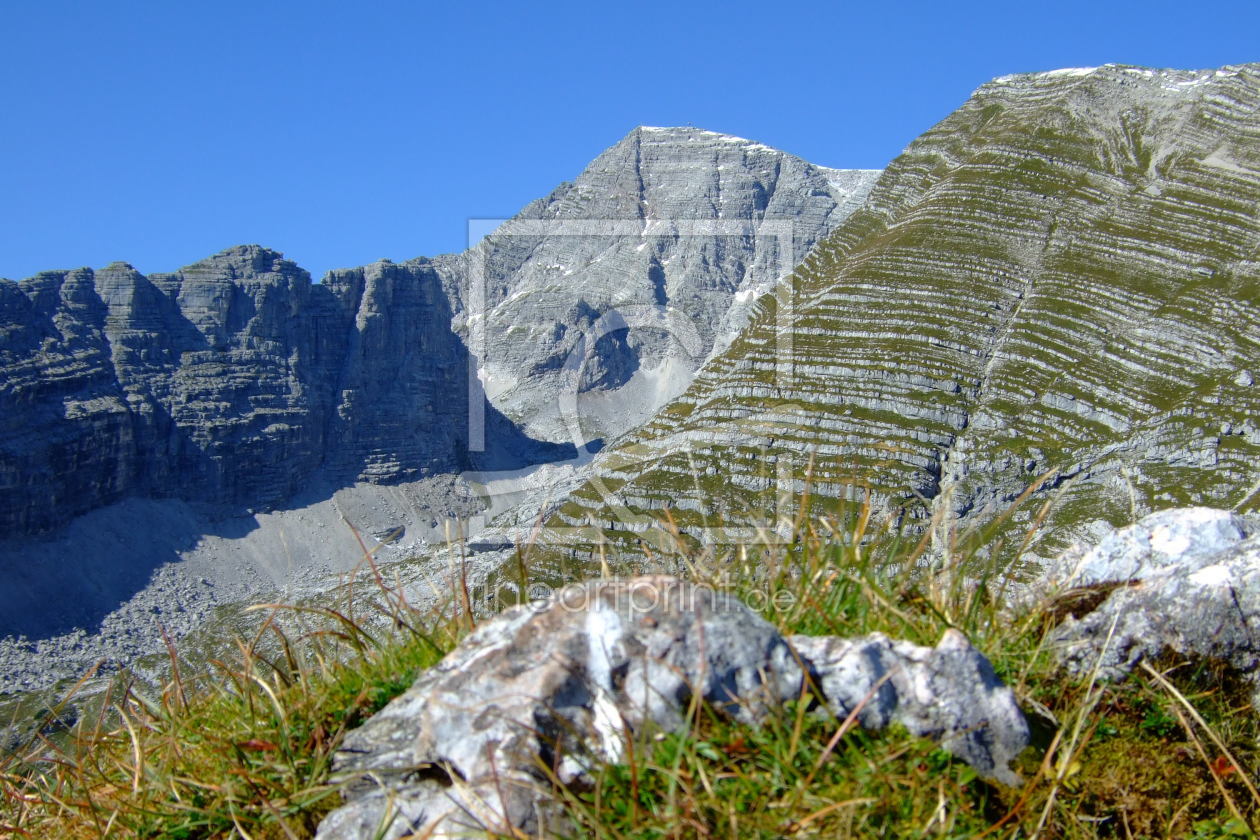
x=239 y=415
x=238 y=381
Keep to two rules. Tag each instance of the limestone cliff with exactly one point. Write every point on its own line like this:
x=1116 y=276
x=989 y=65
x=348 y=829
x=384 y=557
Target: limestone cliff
x=233 y=382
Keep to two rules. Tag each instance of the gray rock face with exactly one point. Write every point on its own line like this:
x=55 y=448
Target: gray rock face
x=602 y=299
x=235 y=381
x=1183 y=580
x=562 y=683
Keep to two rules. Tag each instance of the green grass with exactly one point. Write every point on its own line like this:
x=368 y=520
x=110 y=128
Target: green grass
x=1107 y=761
x=243 y=750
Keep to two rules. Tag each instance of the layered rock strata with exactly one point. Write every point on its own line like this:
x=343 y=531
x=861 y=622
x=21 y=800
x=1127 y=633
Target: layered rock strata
x=235 y=382
x=1055 y=290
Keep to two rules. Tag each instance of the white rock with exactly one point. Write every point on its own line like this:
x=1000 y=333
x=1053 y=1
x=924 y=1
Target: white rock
x=562 y=683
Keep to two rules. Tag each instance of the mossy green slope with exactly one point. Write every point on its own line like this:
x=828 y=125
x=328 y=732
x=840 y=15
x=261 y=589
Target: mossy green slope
x=1060 y=281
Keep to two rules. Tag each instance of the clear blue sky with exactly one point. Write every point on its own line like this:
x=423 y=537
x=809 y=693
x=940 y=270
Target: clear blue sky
x=159 y=133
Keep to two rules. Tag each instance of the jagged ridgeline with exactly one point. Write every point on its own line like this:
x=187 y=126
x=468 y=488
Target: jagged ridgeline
x=1062 y=278
x=237 y=381
x=234 y=381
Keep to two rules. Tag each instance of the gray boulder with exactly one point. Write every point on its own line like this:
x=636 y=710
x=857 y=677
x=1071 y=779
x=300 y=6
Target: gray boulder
x=949 y=693
x=1185 y=580
x=551 y=690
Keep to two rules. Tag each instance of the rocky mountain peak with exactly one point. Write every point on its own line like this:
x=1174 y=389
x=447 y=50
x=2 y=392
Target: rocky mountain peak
x=667 y=237
x=1126 y=75
x=242 y=262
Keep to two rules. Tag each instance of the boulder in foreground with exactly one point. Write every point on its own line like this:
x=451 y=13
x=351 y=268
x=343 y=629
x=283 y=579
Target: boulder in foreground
x=562 y=683
x=1185 y=580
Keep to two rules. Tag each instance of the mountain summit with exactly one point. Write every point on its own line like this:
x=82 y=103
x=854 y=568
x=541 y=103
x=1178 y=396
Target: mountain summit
x=609 y=293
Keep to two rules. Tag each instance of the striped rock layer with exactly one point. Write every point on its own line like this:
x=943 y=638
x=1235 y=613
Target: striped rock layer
x=1055 y=290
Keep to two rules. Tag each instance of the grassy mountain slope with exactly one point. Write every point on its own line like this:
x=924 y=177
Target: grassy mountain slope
x=1057 y=287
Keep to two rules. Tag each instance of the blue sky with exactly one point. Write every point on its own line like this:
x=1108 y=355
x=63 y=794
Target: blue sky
x=159 y=133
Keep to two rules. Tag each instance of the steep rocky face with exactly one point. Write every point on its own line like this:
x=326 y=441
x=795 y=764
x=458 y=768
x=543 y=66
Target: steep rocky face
x=235 y=381
x=401 y=390
x=595 y=305
x=1062 y=278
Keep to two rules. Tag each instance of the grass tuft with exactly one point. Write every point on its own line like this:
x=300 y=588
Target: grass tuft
x=243 y=750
